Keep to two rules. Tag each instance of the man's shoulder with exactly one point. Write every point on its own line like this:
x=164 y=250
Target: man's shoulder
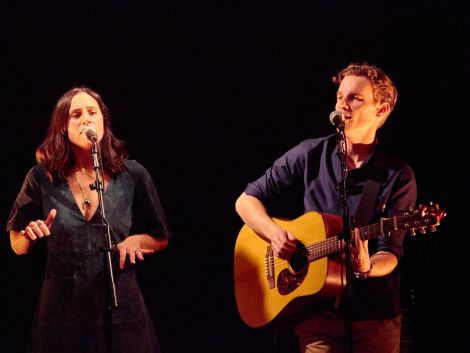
x=305 y=146
x=392 y=160
x=313 y=142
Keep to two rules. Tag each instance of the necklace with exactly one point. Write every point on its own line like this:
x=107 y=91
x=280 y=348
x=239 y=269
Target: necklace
x=86 y=201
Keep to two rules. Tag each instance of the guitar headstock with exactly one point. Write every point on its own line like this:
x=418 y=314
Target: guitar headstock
x=426 y=216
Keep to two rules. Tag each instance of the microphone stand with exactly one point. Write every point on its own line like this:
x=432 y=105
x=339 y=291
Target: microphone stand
x=107 y=248
x=346 y=236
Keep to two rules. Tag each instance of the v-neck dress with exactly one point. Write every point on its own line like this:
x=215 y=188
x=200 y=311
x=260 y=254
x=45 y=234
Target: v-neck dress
x=72 y=309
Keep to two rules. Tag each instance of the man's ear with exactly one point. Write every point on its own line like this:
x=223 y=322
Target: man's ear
x=382 y=113
x=383 y=110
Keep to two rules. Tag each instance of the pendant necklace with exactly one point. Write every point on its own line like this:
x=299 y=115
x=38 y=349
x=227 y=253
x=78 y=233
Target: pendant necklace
x=86 y=201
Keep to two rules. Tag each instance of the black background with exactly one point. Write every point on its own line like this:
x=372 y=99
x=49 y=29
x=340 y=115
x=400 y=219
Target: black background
x=207 y=94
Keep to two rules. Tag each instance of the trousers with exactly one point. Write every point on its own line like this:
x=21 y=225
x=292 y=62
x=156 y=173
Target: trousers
x=324 y=332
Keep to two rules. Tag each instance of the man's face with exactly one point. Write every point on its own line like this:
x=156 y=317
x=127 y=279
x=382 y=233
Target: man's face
x=355 y=99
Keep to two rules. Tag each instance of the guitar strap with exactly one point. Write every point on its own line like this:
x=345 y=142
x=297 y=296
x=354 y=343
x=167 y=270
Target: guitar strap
x=377 y=174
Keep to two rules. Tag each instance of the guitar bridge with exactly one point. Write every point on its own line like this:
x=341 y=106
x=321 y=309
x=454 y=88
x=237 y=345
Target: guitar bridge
x=269 y=266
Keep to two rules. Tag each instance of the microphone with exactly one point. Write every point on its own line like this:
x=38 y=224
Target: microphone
x=336 y=118
x=90 y=134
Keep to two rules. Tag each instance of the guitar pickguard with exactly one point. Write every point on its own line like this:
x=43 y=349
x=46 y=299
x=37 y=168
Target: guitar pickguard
x=287 y=282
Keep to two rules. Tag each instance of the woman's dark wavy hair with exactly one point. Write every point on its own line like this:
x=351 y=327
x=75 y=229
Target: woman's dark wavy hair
x=55 y=151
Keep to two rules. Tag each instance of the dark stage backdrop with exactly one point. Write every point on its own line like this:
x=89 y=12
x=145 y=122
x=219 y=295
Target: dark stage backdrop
x=207 y=94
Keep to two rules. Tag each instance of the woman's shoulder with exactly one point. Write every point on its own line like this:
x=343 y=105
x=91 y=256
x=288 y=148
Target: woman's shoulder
x=36 y=175
x=38 y=172
x=132 y=164
x=134 y=167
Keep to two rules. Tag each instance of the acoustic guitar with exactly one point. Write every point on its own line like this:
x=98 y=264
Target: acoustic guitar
x=268 y=290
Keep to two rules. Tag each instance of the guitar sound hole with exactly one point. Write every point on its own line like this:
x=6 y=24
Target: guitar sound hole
x=299 y=260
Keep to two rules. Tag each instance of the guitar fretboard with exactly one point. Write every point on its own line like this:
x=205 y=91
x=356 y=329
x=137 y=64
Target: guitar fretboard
x=332 y=245
x=323 y=248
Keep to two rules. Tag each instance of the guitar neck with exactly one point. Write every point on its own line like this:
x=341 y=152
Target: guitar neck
x=333 y=245
x=324 y=248
x=374 y=230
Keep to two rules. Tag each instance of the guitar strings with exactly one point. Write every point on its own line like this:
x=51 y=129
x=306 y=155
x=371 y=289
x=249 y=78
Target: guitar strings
x=330 y=245
x=319 y=249
x=323 y=248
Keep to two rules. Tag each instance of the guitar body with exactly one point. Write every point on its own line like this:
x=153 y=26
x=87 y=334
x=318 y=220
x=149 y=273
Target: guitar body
x=267 y=290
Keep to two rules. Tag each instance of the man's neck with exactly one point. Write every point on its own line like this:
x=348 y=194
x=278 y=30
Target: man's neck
x=358 y=153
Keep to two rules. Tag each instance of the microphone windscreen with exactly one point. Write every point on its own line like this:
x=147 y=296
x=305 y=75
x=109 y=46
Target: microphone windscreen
x=90 y=133
x=336 y=117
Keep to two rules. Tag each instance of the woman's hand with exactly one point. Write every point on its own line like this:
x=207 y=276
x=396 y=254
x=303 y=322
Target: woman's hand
x=138 y=245
x=39 y=228
x=23 y=241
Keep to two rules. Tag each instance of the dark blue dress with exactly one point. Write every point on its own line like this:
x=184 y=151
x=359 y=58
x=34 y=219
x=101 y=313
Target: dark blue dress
x=72 y=312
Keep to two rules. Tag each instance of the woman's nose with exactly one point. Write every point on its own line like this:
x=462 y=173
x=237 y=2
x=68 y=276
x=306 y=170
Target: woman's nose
x=87 y=119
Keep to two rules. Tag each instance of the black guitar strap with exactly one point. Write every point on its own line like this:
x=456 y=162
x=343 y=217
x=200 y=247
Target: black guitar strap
x=377 y=174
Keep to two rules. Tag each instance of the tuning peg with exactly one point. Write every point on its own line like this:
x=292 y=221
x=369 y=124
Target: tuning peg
x=432 y=228
x=412 y=232
x=422 y=230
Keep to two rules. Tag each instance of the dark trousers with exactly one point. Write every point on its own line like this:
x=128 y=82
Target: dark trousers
x=324 y=332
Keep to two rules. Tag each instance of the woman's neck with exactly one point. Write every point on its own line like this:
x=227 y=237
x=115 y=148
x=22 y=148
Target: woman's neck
x=82 y=162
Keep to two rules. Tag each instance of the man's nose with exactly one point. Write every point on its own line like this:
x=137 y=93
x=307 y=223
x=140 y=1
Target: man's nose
x=341 y=104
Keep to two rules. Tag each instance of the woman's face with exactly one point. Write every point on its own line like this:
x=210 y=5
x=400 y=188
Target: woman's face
x=84 y=111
